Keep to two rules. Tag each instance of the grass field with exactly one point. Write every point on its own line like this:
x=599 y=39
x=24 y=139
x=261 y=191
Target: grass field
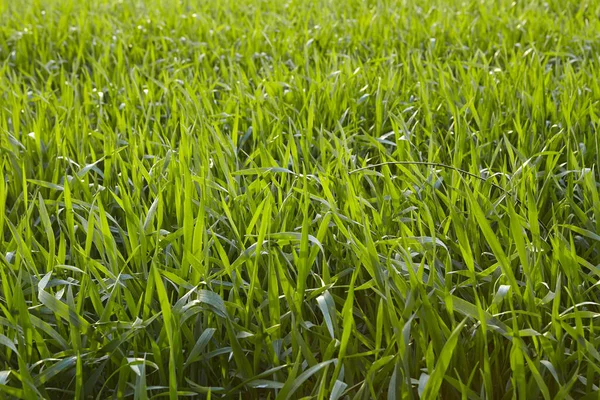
x=292 y=199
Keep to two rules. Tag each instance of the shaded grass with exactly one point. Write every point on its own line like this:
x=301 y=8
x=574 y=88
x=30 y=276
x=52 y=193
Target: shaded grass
x=281 y=199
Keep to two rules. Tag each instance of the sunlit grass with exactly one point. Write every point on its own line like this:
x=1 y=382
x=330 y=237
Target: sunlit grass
x=278 y=199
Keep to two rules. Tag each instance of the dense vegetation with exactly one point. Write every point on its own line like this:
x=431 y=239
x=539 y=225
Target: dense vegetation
x=276 y=199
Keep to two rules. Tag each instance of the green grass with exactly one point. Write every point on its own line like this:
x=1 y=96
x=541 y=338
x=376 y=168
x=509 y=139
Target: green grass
x=277 y=199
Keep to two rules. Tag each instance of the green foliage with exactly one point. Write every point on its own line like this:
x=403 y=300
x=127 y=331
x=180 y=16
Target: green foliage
x=286 y=199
